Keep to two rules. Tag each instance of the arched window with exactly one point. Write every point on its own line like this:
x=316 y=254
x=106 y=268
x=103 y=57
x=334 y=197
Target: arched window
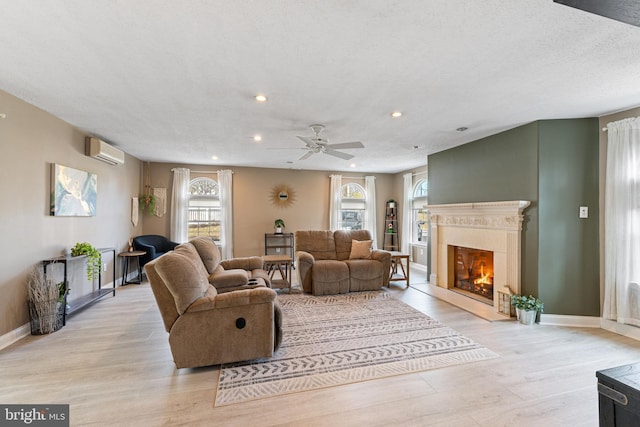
x=353 y=206
x=204 y=208
x=420 y=228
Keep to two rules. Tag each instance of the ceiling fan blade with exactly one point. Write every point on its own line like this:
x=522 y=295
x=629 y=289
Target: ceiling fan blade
x=306 y=156
x=338 y=154
x=354 y=144
x=308 y=141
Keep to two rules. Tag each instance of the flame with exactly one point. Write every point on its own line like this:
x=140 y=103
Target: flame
x=484 y=279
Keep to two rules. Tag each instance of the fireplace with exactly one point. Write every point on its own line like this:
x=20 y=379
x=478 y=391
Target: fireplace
x=473 y=272
x=488 y=239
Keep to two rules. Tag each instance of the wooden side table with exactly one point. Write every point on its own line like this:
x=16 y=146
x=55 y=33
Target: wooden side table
x=126 y=256
x=396 y=261
x=282 y=264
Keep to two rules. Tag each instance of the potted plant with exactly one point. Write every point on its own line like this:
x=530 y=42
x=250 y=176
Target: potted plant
x=148 y=203
x=278 y=224
x=93 y=258
x=527 y=308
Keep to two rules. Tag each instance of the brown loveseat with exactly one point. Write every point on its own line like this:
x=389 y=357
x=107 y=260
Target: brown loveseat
x=206 y=327
x=327 y=265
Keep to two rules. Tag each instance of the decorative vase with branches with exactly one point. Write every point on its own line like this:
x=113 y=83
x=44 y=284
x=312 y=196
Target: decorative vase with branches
x=45 y=307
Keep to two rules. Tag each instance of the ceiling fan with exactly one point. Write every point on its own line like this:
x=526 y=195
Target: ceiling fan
x=316 y=144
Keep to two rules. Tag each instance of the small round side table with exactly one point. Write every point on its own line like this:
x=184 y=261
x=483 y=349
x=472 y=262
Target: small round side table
x=126 y=256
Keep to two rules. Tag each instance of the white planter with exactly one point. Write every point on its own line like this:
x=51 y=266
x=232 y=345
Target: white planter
x=528 y=317
x=278 y=230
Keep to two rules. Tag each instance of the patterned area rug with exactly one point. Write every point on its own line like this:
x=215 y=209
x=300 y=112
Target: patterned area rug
x=341 y=339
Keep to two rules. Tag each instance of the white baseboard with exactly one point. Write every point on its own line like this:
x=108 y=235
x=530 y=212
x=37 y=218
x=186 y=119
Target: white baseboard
x=621 y=329
x=574 y=321
x=12 y=336
x=419 y=267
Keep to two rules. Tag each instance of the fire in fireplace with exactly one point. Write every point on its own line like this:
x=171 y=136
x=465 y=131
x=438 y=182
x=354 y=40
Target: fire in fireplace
x=473 y=272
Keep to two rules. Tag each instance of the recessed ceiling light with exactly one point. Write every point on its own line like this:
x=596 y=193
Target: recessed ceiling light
x=353 y=165
x=2 y=115
x=396 y=114
x=462 y=128
x=214 y=157
x=261 y=98
x=257 y=138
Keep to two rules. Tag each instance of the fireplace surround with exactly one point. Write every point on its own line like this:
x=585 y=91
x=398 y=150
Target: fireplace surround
x=487 y=226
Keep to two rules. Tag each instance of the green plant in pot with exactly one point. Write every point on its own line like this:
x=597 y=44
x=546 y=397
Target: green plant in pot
x=527 y=308
x=148 y=203
x=278 y=224
x=94 y=261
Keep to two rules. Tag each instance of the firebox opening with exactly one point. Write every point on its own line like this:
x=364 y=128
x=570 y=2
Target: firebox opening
x=473 y=273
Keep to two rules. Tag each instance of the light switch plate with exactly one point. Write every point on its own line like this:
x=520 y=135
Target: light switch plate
x=584 y=212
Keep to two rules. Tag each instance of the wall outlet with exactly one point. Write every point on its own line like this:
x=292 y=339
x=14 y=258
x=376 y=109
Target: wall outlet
x=277 y=250
x=104 y=266
x=421 y=251
x=584 y=212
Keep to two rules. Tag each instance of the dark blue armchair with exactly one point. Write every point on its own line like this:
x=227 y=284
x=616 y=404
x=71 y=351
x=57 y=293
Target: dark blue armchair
x=153 y=245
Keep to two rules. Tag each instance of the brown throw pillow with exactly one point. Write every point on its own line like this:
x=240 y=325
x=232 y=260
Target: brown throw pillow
x=361 y=249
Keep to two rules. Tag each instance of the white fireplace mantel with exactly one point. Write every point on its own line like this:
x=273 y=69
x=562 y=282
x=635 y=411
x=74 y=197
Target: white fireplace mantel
x=492 y=226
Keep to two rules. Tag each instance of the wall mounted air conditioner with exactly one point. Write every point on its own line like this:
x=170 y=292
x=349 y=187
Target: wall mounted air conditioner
x=100 y=150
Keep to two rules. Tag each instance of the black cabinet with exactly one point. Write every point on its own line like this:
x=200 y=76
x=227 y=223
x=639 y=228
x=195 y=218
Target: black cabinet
x=278 y=244
x=619 y=396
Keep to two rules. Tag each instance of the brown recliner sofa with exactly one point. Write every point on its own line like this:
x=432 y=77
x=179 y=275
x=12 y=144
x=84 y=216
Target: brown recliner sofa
x=231 y=274
x=326 y=264
x=206 y=327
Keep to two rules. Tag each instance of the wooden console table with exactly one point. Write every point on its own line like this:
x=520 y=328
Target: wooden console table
x=86 y=299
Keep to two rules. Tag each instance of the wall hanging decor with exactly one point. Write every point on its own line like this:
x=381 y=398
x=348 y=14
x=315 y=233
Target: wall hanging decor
x=73 y=192
x=134 y=211
x=282 y=196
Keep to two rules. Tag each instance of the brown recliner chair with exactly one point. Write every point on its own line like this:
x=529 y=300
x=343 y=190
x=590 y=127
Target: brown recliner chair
x=230 y=274
x=326 y=263
x=205 y=327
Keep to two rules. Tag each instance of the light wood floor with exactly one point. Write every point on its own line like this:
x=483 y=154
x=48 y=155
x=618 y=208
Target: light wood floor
x=112 y=364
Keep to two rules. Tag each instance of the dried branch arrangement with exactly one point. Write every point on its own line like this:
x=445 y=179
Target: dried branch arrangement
x=44 y=303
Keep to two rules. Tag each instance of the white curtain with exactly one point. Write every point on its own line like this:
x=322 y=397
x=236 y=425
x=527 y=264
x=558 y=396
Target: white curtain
x=407 y=213
x=225 y=181
x=179 y=225
x=622 y=223
x=370 y=213
x=335 y=202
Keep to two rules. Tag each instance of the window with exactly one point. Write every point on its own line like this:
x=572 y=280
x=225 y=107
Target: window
x=420 y=226
x=353 y=206
x=204 y=208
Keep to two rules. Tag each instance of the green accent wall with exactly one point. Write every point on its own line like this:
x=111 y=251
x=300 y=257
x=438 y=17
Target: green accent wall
x=568 y=246
x=554 y=164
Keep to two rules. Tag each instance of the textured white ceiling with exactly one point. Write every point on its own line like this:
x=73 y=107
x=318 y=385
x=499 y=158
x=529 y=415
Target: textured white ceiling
x=174 y=81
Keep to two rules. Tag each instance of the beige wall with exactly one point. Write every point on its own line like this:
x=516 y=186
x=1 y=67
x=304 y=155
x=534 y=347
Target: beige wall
x=31 y=140
x=253 y=212
x=635 y=112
